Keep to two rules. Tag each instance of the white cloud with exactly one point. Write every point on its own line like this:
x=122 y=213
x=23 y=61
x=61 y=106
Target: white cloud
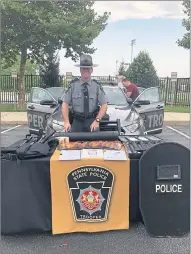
x=121 y=10
x=115 y=40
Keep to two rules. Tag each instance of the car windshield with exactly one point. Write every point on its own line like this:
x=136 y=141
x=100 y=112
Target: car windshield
x=141 y=89
x=115 y=96
x=56 y=92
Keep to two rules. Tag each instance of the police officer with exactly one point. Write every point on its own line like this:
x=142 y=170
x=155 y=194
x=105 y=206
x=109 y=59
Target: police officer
x=84 y=95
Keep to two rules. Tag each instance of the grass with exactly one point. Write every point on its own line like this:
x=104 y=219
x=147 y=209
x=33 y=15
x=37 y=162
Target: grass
x=11 y=108
x=177 y=109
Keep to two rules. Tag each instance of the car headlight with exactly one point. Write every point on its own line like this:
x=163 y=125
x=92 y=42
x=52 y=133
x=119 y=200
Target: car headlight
x=56 y=125
x=133 y=127
x=136 y=125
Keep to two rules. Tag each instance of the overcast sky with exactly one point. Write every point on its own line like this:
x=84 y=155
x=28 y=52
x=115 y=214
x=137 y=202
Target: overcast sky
x=156 y=26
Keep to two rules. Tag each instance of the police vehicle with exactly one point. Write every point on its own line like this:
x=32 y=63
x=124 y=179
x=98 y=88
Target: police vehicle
x=143 y=116
x=152 y=113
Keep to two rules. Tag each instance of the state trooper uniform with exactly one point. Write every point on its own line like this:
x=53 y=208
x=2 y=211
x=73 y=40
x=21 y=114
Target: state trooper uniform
x=84 y=97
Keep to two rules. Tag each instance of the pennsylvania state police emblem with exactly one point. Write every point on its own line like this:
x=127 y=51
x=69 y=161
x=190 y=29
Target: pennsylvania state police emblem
x=90 y=190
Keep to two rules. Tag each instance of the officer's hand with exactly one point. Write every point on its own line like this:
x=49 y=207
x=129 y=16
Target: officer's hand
x=67 y=127
x=94 y=126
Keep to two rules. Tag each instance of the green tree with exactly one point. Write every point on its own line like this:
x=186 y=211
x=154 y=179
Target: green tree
x=185 y=41
x=32 y=28
x=50 y=71
x=142 y=71
x=30 y=68
x=122 y=69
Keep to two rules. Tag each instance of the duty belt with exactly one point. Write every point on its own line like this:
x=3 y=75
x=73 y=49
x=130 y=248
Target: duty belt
x=81 y=116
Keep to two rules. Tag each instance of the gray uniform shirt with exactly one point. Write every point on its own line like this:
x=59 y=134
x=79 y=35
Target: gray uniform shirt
x=74 y=95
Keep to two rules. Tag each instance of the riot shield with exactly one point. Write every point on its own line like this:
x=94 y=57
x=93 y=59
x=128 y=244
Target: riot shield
x=164 y=190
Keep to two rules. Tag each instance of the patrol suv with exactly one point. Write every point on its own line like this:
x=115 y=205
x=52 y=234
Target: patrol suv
x=144 y=115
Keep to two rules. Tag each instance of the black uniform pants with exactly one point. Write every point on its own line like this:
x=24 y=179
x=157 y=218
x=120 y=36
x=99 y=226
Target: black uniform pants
x=79 y=125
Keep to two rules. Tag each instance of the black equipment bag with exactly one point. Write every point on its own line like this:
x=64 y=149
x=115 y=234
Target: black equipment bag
x=13 y=147
x=30 y=147
x=164 y=190
x=10 y=152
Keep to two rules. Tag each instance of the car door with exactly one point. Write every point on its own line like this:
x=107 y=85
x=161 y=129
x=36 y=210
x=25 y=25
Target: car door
x=153 y=114
x=36 y=113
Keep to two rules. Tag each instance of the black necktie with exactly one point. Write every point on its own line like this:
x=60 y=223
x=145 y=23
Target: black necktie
x=86 y=99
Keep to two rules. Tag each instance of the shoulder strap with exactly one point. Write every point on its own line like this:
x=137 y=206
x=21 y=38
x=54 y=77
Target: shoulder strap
x=74 y=80
x=101 y=87
x=71 y=82
x=96 y=82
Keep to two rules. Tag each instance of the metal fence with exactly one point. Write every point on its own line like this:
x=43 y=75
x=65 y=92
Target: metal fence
x=174 y=93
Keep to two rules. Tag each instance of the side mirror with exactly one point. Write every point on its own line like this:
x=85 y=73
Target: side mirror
x=48 y=103
x=60 y=101
x=139 y=103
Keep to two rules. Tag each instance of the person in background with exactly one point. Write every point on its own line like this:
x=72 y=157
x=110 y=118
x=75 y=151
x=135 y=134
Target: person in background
x=84 y=95
x=132 y=90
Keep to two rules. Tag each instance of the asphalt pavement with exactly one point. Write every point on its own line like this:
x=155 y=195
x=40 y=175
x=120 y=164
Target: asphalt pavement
x=133 y=241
